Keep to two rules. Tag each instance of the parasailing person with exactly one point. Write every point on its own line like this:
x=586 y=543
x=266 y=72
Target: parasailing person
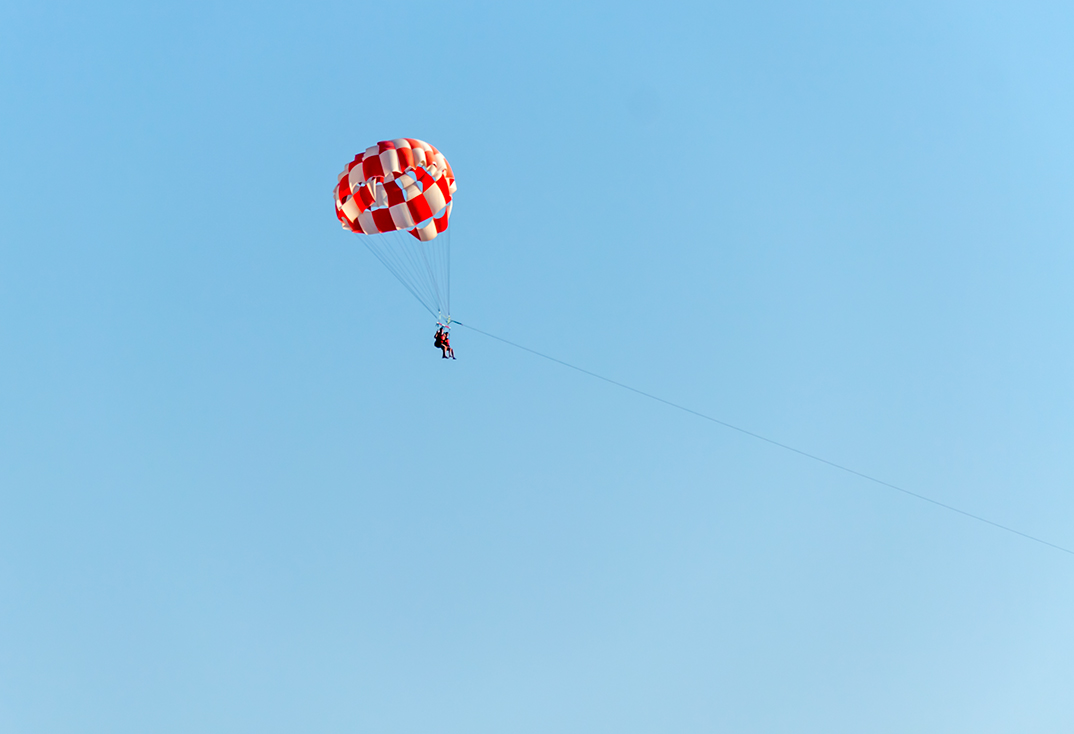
x=397 y=194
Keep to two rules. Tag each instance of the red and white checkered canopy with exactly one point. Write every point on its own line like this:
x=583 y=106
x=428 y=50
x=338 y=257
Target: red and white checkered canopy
x=401 y=184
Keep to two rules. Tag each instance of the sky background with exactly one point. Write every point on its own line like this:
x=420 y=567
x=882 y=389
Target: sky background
x=241 y=492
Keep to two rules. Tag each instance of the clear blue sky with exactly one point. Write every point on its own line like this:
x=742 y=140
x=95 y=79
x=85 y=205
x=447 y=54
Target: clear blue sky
x=240 y=492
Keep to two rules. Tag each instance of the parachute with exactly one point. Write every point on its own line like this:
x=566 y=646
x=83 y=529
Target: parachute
x=397 y=195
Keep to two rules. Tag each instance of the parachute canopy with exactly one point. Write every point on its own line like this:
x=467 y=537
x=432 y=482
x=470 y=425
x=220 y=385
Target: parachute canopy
x=397 y=188
x=401 y=184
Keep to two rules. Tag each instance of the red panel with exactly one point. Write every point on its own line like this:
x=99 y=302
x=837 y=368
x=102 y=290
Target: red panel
x=383 y=219
x=406 y=157
x=371 y=167
x=365 y=198
x=419 y=209
x=445 y=188
x=395 y=194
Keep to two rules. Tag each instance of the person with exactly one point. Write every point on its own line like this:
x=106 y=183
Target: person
x=443 y=342
x=445 y=345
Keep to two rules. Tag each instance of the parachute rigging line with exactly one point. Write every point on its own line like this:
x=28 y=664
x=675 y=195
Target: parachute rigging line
x=778 y=444
x=395 y=270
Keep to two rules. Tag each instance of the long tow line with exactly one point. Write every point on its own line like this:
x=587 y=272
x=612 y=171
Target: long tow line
x=773 y=442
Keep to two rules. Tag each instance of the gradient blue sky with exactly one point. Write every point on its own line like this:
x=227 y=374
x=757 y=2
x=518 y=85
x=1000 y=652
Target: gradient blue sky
x=240 y=492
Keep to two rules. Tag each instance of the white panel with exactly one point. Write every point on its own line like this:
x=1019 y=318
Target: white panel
x=389 y=161
x=436 y=199
x=401 y=216
x=350 y=208
x=427 y=232
x=365 y=221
